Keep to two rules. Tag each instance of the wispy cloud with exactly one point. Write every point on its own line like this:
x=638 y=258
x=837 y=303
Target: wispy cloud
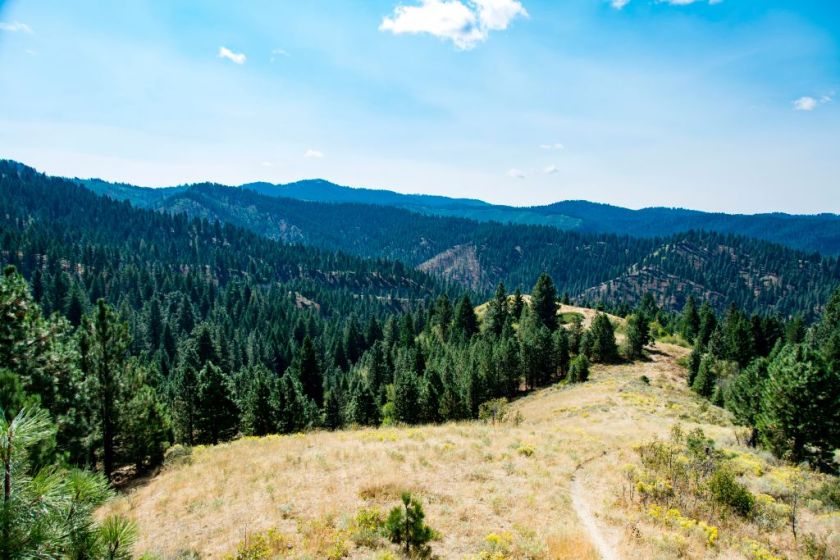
x=550 y=169
x=313 y=153
x=808 y=103
x=466 y=23
x=15 y=26
x=618 y=4
x=238 y=58
x=277 y=53
x=554 y=146
x=516 y=173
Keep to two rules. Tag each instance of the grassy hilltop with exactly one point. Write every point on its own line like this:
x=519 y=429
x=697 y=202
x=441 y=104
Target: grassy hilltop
x=553 y=481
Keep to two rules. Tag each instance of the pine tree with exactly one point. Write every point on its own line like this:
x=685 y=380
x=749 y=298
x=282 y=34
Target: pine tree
x=637 y=336
x=694 y=360
x=517 y=305
x=215 y=411
x=465 y=322
x=604 y=348
x=363 y=409
x=105 y=343
x=800 y=407
x=544 y=302
x=579 y=369
x=406 y=527
x=308 y=370
x=333 y=416
x=690 y=320
x=708 y=322
x=258 y=416
x=561 y=349
x=706 y=380
x=406 y=391
x=497 y=311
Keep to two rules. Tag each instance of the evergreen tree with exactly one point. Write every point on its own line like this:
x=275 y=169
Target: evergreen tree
x=544 y=302
x=464 y=322
x=406 y=391
x=497 y=311
x=215 y=414
x=105 y=343
x=517 y=305
x=690 y=320
x=743 y=395
x=363 y=409
x=706 y=380
x=561 y=349
x=258 y=412
x=708 y=322
x=604 y=348
x=637 y=336
x=800 y=407
x=579 y=369
x=694 y=360
x=308 y=370
x=333 y=416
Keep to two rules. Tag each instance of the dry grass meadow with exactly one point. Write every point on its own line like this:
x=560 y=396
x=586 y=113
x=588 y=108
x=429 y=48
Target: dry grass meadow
x=503 y=490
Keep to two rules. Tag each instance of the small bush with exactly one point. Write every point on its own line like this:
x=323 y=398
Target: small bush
x=406 y=527
x=493 y=411
x=645 y=379
x=828 y=493
x=579 y=370
x=729 y=492
x=368 y=527
x=177 y=455
x=261 y=546
x=526 y=450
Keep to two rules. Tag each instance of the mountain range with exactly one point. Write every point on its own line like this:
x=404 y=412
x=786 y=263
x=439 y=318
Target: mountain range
x=820 y=232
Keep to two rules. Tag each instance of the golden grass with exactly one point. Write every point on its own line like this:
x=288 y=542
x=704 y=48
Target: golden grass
x=472 y=478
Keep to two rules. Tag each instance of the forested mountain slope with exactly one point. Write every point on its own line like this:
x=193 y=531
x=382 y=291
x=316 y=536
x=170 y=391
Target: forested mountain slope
x=820 y=233
x=754 y=274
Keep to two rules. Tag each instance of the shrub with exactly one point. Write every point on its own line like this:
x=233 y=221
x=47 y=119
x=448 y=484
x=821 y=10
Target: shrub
x=368 y=527
x=406 y=527
x=177 y=455
x=579 y=370
x=260 y=546
x=727 y=491
x=493 y=411
x=828 y=493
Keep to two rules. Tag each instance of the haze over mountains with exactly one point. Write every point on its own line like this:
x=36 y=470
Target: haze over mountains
x=819 y=232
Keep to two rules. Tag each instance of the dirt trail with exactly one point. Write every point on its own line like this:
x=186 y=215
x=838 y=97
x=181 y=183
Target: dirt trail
x=606 y=549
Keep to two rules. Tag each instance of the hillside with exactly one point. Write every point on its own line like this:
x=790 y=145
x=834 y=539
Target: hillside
x=815 y=233
x=549 y=487
x=754 y=274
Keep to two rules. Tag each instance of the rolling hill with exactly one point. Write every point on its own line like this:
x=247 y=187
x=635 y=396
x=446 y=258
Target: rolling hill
x=551 y=485
x=754 y=274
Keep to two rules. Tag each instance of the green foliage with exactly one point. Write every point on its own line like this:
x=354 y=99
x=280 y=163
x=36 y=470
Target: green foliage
x=406 y=527
x=50 y=513
x=800 y=407
x=579 y=370
x=728 y=492
x=604 y=348
x=493 y=411
x=637 y=336
x=544 y=302
x=706 y=380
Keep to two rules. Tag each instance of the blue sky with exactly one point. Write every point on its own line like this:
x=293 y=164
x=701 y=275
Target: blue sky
x=729 y=105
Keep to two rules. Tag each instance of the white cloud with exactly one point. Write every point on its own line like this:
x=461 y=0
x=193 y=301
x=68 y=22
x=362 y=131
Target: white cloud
x=550 y=170
x=238 y=58
x=267 y=164
x=516 y=173
x=313 y=153
x=555 y=146
x=808 y=103
x=15 y=26
x=277 y=53
x=805 y=103
x=618 y=4
x=466 y=23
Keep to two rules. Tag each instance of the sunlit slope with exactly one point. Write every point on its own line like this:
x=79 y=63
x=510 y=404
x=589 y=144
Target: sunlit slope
x=510 y=481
